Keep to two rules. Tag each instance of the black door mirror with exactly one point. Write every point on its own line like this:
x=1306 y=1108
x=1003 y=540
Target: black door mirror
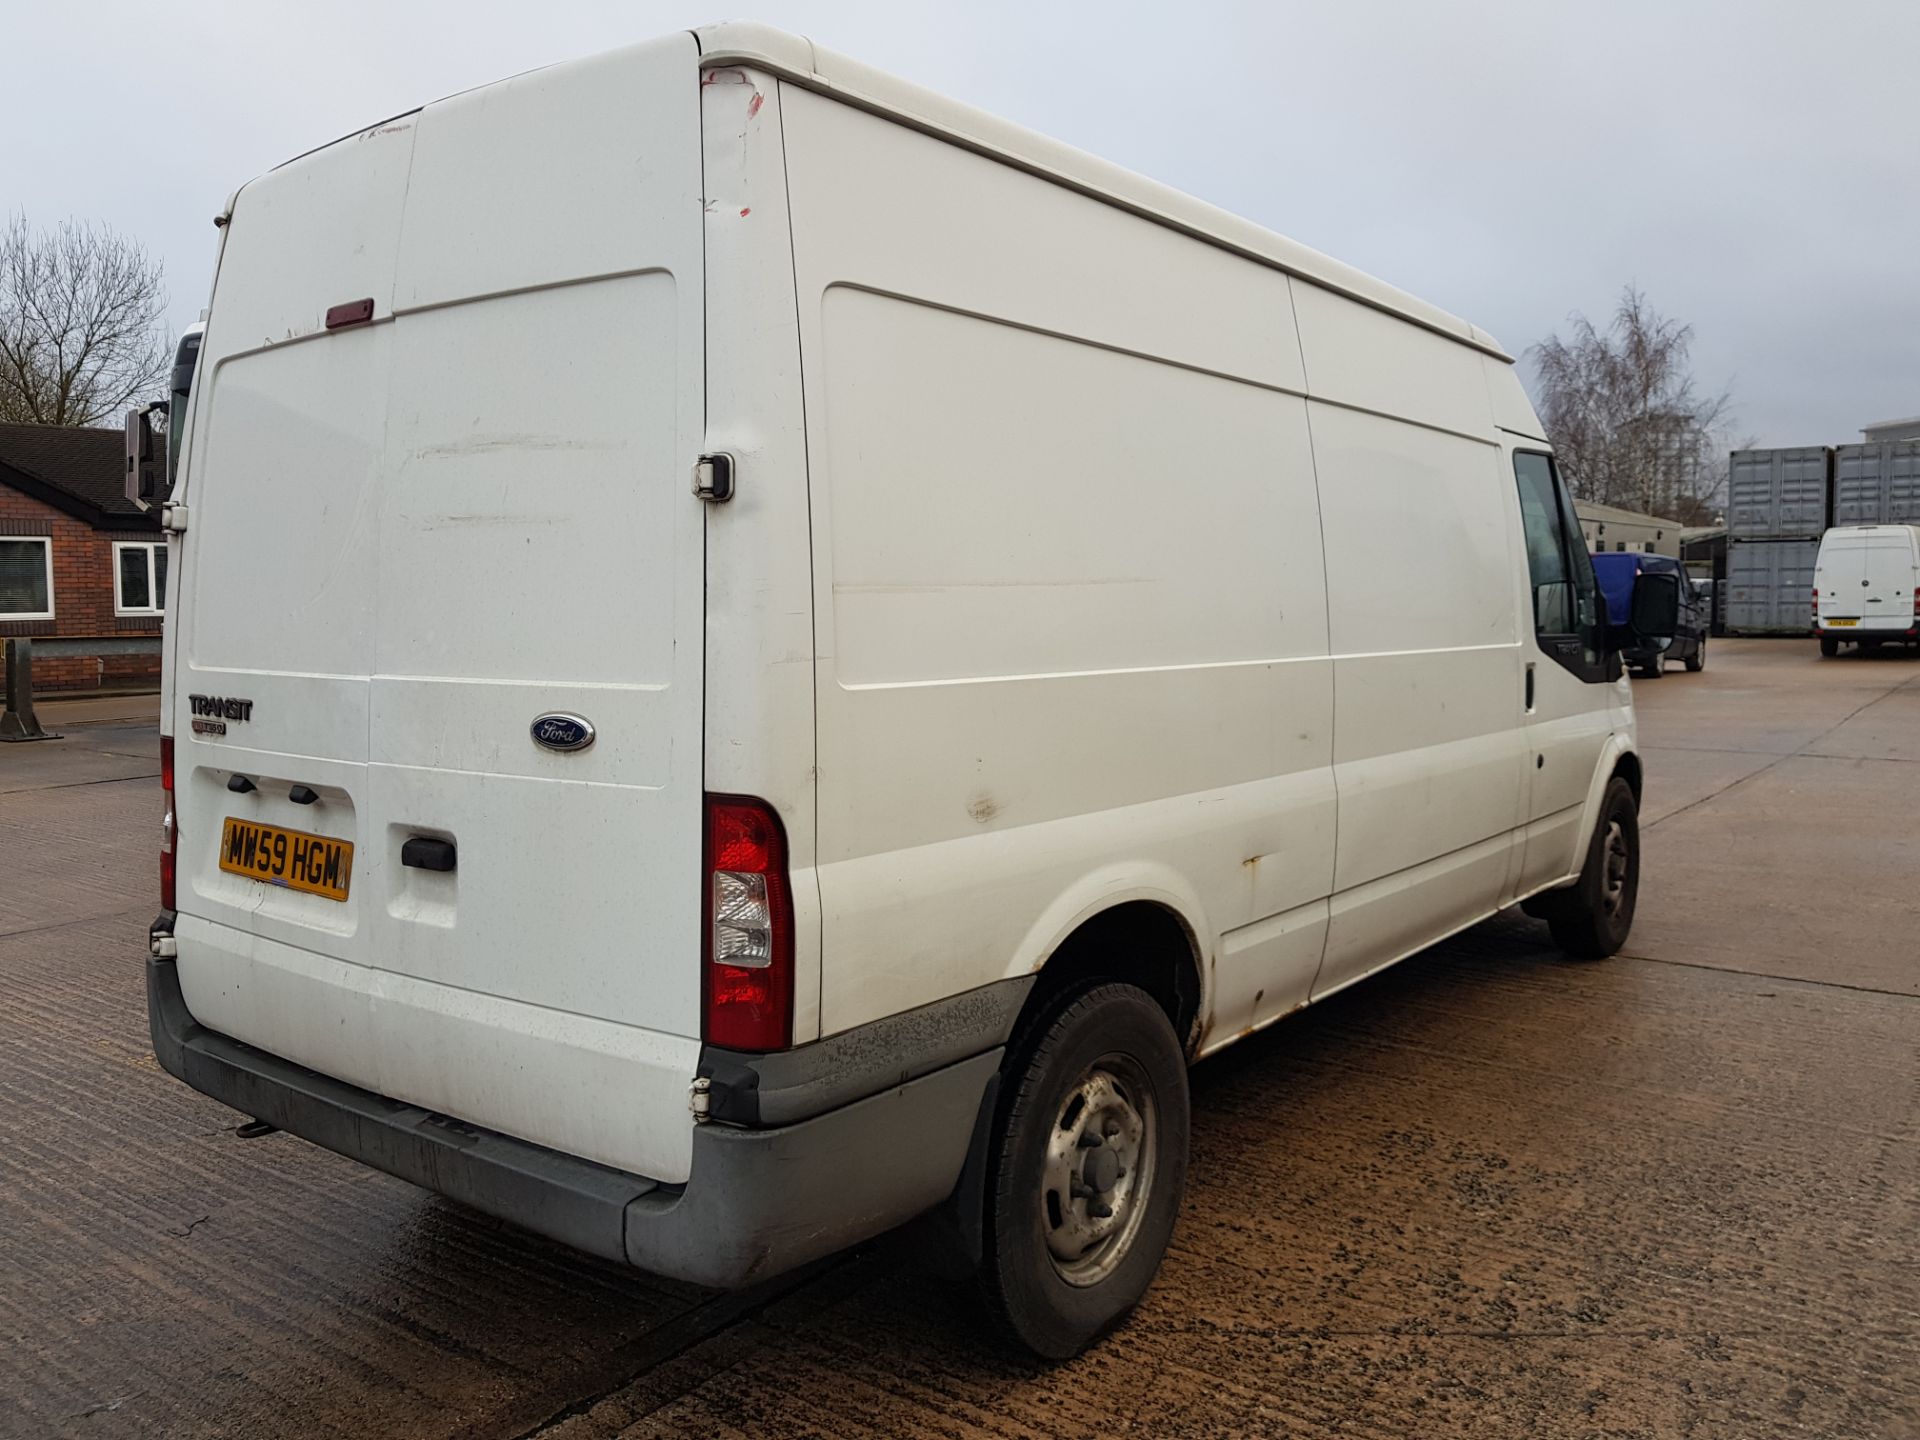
x=146 y=457
x=1655 y=610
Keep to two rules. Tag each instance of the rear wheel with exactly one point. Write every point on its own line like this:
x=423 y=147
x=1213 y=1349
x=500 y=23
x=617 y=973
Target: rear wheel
x=1087 y=1169
x=1697 y=661
x=1591 y=918
x=1829 y=647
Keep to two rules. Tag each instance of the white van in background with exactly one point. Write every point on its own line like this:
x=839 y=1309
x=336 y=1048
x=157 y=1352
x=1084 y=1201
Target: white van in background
x=758 y=652
x=1866 y=587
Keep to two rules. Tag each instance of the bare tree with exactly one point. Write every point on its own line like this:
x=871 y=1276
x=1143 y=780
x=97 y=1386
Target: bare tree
x=81 y=329
x=1625 y=417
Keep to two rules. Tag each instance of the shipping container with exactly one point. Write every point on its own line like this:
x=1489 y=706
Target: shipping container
x=1903 y=484
x=1770 y=586
x=1779 y=494
x=1877 y=484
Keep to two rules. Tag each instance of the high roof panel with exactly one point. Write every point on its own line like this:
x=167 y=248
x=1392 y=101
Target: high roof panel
x=798 y=59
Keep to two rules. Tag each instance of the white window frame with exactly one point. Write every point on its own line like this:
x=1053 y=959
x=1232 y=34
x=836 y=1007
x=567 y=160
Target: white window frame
x=7 y=617
x=153 y=589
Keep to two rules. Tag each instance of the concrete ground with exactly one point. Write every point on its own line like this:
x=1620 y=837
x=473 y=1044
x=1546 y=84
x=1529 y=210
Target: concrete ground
x=57 y=712
x=1493 y=1192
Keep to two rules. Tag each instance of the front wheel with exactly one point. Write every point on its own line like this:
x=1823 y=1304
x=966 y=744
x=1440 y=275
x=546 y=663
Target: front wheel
x=1697 y=661
x=1591 y=918
x=1087 y=1168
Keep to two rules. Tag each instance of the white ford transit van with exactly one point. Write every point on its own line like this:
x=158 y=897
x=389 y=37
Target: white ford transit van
x=758 y=653
x=1866 y=587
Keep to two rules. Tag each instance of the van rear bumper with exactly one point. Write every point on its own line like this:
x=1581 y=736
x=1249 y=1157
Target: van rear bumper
x=1892 y=627
x=758 y=1201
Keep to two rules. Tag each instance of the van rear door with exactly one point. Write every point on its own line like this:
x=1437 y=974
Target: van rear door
x=1887 y=579
x=1865 y=579
x=411 y=537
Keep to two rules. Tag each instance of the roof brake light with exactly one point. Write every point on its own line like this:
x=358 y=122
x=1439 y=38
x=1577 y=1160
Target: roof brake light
x=353 y=312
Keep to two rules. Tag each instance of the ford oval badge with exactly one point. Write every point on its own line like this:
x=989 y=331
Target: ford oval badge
x=562 y=732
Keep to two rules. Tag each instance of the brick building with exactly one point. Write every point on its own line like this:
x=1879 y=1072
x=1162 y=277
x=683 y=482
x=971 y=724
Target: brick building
x=77 y=558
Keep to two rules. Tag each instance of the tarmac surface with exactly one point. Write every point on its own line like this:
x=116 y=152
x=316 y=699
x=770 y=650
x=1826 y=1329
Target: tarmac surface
x=1493 y=1192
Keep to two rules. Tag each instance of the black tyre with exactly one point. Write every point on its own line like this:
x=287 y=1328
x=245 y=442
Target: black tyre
x=1087 y=1167
x=1829 y=647
x=1697 y=661
x=1591 y=918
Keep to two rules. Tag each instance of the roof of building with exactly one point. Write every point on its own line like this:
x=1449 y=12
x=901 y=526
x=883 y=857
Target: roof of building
x=75 y=469
x=807 y=64
x=1591 y=510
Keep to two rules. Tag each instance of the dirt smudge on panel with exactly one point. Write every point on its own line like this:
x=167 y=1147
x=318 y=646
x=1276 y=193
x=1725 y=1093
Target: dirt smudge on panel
x=498 y=444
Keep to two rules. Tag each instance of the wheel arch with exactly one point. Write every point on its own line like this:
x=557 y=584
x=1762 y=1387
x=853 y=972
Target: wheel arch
x=1627 y=767
x=1618 y=758
x=1150 y=938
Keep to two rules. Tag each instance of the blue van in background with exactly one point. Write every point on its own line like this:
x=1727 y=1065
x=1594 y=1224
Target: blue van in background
x=1615 y=570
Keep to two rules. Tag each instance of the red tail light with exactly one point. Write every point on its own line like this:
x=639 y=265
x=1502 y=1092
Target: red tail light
x=749 y=938
x=167 y=835
x=1916 y=600
x=1816 y=602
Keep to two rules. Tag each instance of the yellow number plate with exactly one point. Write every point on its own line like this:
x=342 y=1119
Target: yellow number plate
x=1832 y=624
x=291 y=859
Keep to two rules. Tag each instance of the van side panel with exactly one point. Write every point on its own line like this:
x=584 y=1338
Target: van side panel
x=1512 y=410
x=1424 y=636
x=1070 y=612
x=1367 y=360
x=759 y=626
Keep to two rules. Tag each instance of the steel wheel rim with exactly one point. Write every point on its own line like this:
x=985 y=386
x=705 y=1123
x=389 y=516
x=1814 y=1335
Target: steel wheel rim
x=1617 y=864
x=1099 y=1157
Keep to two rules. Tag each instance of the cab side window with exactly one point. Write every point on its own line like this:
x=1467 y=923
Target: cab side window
x=1566 y=598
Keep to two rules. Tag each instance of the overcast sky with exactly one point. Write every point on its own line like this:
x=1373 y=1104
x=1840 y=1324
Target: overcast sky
x=1753 y=165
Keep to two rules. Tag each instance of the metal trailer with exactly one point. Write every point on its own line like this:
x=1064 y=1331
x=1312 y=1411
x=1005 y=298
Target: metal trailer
x=1770 y=586
x=1877 y=484
x=1779 y=494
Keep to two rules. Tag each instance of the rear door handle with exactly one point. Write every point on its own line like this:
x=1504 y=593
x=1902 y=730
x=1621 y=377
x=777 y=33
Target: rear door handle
x=424 y=852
